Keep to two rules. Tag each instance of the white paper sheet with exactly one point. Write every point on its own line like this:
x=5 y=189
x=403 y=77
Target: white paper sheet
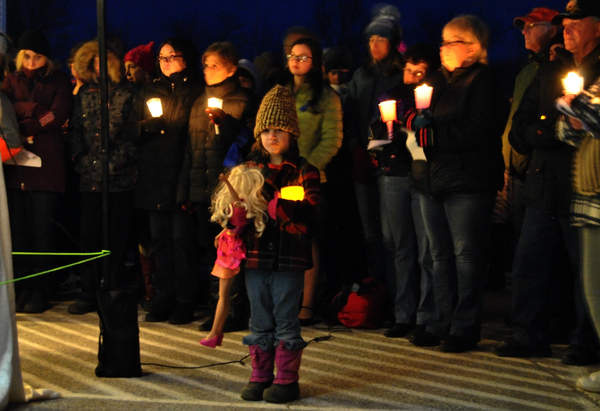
x=415 y=150
x=24 y=158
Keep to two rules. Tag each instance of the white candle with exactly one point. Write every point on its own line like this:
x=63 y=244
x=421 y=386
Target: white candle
x=388 y=110
x=423 y=96
x=388 y=115
x=155 y=107
x=573 y=83
x=214 y=102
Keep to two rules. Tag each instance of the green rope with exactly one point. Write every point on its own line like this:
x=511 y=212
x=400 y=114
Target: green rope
x=96 y=255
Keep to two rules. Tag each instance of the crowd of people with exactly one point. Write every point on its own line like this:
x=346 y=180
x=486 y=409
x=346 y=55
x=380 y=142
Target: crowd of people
x=436 y=205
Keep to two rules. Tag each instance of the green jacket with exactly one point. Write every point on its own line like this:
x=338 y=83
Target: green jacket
x=320 y=128
x=514 y=161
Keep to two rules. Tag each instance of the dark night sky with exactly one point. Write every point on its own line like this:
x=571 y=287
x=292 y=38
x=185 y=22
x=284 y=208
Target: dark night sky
x=256 y=26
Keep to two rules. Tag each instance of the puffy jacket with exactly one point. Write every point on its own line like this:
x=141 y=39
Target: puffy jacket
x=204 y=159
x=34 y=96
x=161 y=152
x=87 y=152
x=368 y=82
x=86 y=140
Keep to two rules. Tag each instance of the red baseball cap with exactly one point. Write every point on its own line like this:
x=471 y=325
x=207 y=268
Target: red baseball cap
x=537 y=15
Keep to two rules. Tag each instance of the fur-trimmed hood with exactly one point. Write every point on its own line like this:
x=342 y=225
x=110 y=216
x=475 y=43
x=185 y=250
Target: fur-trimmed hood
x=83 y=62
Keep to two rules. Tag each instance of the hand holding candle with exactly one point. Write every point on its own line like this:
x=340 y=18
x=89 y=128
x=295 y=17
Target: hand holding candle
x=388 y=115
x=423 y=96
x=573 y=83
x=214 y=102
x=155 y=107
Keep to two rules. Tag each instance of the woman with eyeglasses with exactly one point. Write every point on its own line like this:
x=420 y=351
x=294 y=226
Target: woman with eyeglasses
x=41 y=96
x=461 y=138
x=220 y=116
x=320 y=119
x=163 y=141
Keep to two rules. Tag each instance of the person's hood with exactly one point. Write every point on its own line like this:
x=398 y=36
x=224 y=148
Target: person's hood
x=83 y=62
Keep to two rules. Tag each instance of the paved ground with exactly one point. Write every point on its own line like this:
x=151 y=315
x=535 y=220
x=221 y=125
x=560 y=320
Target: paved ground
x=355 y=369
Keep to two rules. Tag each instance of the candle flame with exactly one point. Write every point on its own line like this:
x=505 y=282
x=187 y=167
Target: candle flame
x=294 y=193
x=155 y=107
x=573 y=83
x=214 y=102
x=423 y=96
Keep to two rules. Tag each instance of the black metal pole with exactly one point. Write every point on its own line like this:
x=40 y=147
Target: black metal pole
x=100 y=5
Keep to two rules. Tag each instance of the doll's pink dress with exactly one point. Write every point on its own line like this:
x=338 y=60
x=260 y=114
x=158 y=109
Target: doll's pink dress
x=231 y=249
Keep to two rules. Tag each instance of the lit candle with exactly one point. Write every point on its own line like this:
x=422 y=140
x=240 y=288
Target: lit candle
x=388 y=115
x=573 y=83
x=214 y=102
x=155 y=107
x=423 y=96
x=294 y=193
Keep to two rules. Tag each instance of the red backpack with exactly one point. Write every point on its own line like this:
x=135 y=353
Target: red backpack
x=364 y=307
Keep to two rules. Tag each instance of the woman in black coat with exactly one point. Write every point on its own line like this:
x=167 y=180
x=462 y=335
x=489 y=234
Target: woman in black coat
x=162 y=143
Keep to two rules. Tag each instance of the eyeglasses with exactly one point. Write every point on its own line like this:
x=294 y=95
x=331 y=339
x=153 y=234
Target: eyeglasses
x=416 y=73
x=454 y=43
x=169 y=59
x=301 y=58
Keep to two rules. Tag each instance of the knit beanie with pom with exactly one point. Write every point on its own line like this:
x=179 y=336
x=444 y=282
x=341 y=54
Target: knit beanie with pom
x=277 y=111
x=385 y=23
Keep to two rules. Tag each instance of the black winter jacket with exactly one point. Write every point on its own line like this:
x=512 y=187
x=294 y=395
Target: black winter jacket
x=162 y=151
x=368 y=83
x=86 y=145
x=466 y=156
x=204 y=158
x=548 y=182
x=533 y=132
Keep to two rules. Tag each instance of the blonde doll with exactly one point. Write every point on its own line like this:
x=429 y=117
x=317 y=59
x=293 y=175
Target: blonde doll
x=237 y=199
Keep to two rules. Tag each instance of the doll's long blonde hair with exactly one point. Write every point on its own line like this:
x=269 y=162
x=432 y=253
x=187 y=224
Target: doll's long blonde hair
x=247 y=181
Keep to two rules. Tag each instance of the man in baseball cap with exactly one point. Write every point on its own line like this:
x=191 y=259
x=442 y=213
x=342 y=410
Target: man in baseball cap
x=579 y=9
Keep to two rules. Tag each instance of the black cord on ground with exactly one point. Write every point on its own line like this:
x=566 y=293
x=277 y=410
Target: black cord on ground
x=240 y=361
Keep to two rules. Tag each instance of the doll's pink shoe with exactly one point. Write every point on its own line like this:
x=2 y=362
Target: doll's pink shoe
x=212 y=342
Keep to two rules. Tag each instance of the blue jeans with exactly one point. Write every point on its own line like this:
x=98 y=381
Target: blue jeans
x=399 y=244
x=426 y=309
x=274 y=305
x=456 y=227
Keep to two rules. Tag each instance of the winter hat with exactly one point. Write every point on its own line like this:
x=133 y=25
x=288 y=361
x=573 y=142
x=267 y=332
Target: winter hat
x=36 y=41
x=336 y=58
x=277 y=110
x=385 y=23
x=579 y=9
x=142 y=56
x=537 y=15
x=246 y=66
